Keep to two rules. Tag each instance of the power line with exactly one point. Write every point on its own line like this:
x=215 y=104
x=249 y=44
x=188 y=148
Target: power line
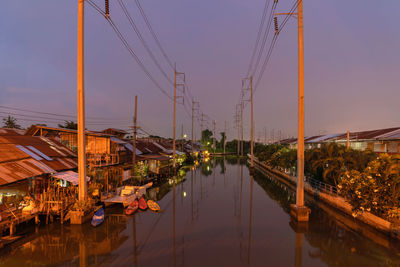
x=55 y=114
x=275 y=38
x=258 y=36
x=135 y=28
x=153 y=34
x=128 y=47
x=265 y=37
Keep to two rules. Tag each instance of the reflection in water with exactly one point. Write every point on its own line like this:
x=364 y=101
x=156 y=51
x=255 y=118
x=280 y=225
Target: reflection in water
x=208 y=229
x=299 y=248
x=250 y=218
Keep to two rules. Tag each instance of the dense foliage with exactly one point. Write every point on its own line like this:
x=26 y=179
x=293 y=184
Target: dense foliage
x=375 y=189
x=368 y=182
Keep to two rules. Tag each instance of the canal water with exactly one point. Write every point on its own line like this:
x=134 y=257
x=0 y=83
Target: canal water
x=213 y=215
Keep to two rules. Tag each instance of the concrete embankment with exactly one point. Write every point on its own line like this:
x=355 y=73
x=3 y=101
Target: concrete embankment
x=338 y=203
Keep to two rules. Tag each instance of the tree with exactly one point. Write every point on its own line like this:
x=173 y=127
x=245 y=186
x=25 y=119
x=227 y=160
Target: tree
x=206 y=136
x=10 y=122
x=376 y=189
x=69 y=125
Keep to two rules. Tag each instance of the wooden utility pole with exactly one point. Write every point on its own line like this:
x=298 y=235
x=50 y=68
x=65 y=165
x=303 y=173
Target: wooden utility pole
x=81 y=104
x=348 y=139
x=134 y=139
x=252 y=122
x=173 y=142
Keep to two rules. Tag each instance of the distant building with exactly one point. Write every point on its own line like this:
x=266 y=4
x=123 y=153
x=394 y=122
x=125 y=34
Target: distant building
x=380 y=140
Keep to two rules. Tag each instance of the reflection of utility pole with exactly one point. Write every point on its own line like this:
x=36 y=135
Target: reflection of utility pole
x=250 y=219
x=81 y=104
x=134 y=241
x=173 y=222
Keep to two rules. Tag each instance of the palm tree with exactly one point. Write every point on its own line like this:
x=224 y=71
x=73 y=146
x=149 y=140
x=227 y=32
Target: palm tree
x=10 y=122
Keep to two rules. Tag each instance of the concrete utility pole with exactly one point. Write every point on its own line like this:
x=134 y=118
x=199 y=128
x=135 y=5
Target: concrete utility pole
x=134 y=139
x=192 y=122
x=81 y=104
x=182 y=137
x=265 y=135
x=201 y=127
x=225 y=137
x=173 y=142
x=214 y=136
x=241 y=123
x=300 y=134
x=252 y=122
x=299 y=211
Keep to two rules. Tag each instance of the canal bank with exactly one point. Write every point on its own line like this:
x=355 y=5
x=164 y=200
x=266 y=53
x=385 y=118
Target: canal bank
x=217 y=215
x=328 y=196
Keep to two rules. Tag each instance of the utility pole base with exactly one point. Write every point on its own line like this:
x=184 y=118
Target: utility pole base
x=252 y=170
x=300 y=213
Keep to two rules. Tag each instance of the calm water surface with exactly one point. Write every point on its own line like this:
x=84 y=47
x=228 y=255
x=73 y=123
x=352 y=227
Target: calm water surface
x=217 y=215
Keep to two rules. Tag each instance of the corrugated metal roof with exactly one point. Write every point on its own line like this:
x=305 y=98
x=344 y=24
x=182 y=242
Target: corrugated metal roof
x=323 y=138
x=116 y=140
x=24 y=156
x=69 y=176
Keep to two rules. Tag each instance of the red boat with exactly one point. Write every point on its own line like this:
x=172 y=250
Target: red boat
x=132 y=207
x=142 y=203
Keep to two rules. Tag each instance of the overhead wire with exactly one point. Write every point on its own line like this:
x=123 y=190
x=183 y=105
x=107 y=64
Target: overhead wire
x=135 y=28
x=265 y=37
x=258 y=36
x=274 y=40
x=128 y=47
x=154 y=34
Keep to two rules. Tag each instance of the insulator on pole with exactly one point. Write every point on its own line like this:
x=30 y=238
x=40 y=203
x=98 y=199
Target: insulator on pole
x=107 y=7
x=276 y=25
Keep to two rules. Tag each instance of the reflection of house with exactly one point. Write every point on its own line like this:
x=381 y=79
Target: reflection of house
x=379 y=141
x=101 y=149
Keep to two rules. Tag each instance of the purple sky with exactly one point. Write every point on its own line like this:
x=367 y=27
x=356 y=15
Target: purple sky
x=352 y=63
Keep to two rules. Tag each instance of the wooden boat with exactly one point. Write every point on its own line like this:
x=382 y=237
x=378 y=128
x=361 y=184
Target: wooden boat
x=142 y=203
x=132 y=208
x=153 y=205
x=98 y=217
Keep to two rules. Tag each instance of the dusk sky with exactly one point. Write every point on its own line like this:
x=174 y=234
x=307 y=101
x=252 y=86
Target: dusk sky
x=352 y=63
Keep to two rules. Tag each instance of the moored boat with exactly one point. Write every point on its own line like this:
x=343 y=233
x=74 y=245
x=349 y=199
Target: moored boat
x=142 y=203
x=153 y=206
x=132 y=208
x=98 y=217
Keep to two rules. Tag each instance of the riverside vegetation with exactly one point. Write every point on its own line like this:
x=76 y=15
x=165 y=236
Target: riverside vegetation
x=368 y=181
